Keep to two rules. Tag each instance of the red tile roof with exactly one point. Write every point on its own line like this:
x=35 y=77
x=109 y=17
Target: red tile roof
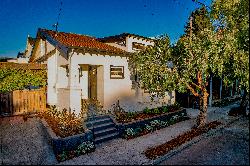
x=76 y=40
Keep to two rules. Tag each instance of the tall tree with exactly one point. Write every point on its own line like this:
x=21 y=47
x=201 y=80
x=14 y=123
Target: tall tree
x=194 y=57
x=232 y=18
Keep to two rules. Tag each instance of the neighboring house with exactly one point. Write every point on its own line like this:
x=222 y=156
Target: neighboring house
x=81 y=67
x=23 y=57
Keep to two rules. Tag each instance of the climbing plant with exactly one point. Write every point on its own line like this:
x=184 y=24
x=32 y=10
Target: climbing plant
x=19 y=78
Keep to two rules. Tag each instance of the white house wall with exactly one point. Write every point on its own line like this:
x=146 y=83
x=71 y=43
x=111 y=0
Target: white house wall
x=52 y=79
x=118 y=46
x=109 y=91
x=113 y=89
x=130 y=40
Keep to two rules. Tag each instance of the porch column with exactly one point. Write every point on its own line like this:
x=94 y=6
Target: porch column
x=52 y=79
x=211 y=91
x=74 y=87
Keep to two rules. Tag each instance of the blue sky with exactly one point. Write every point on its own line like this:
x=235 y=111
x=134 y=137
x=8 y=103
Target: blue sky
x=98 y=18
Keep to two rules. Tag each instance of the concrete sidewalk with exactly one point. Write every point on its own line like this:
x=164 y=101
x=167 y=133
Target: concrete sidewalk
x=130 y=152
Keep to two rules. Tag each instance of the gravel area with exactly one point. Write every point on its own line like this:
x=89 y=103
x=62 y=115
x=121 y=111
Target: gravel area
x=130 y=152
x=24 y=142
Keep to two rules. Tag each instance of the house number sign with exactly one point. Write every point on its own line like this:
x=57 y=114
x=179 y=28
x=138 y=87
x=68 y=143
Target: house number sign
x=116 y=72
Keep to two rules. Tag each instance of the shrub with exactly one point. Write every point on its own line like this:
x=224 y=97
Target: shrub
x=156 y=111
x=149 y=128
x=130 y=132
x=85 y=147
x=147 y=110
x=165 y=109
x=163 y=123
x=64 y=123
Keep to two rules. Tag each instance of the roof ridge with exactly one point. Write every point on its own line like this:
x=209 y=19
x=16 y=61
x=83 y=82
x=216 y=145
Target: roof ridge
x=75 y=40
x=68 y=33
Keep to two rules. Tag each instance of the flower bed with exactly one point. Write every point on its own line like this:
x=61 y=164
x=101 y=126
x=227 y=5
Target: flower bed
x=141 y=127
x=160 y=150
x=63 y=123
x=126 y=117
x=71 y=146
x=66 y=133
x=83 y=148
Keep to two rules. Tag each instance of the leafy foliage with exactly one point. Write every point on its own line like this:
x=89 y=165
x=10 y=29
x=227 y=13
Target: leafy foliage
x=130 y=133
x=83 y=148
x=233 y=23
x=18 y=78
x=215 y=42
x=124 y=117
x=64 y=123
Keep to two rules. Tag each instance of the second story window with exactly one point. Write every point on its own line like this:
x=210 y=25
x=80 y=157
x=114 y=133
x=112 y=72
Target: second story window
x=137 y=46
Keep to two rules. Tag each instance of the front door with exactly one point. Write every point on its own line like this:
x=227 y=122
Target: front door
x=92 y=88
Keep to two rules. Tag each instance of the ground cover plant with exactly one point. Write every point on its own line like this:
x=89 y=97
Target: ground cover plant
x=154 y=125
x=154 y=152
x=122 y=116
x=64 y=123
x=85 y=147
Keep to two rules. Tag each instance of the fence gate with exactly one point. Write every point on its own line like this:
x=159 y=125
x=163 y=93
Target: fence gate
x=22 y=101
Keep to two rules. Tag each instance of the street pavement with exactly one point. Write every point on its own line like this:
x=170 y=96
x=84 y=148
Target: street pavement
x=227 y=146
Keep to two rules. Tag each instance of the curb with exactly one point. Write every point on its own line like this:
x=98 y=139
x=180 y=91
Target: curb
x=188 y=144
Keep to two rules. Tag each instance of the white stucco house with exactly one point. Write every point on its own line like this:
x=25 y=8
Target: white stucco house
x=82 y=67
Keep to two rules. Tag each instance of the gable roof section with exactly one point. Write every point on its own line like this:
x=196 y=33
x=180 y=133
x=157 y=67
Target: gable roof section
x=71 y=40
x=31 y=40
x=122 y=37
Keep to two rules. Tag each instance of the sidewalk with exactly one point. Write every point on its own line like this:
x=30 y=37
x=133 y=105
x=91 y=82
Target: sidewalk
x=130 y=152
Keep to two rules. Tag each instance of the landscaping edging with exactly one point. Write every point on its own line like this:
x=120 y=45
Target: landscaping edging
x=121 y=127
x=68 y=143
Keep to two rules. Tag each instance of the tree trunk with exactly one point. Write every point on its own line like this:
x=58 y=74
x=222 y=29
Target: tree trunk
x=202 y=117
x=244 y=102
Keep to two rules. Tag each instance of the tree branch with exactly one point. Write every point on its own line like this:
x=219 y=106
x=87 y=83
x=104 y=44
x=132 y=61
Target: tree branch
x=192 y=90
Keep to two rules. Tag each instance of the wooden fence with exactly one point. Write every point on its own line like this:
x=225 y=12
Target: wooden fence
x=22 y=101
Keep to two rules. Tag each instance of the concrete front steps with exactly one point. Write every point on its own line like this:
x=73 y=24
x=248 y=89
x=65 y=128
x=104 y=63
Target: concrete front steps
x=103 y=128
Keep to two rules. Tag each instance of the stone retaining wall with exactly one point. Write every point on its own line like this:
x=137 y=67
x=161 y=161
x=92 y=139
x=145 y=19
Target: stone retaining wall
x=121 y=127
